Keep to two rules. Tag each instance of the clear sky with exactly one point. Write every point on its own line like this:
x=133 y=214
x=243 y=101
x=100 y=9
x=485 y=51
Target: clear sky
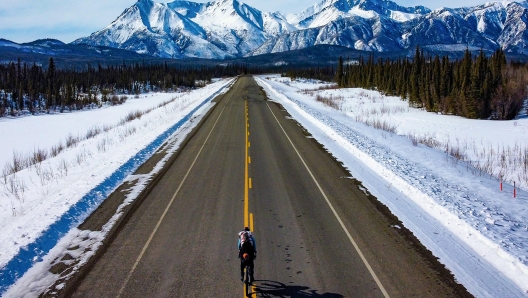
x=67 y=20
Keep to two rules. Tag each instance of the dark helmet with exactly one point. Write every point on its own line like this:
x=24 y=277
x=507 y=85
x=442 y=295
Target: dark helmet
x=246 y=229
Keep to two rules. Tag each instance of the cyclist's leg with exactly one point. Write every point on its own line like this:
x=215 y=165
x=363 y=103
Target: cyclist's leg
x=251 y=270
x=242 y=267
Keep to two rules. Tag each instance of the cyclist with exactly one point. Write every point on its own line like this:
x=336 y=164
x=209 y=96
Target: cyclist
x=247 y=252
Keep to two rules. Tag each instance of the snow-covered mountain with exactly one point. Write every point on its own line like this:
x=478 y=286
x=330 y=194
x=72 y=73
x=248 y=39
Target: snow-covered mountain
x=218 y=29
x=229 y=28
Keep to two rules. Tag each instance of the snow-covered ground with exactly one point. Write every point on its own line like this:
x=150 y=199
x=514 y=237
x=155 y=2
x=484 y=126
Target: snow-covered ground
x=457 y=211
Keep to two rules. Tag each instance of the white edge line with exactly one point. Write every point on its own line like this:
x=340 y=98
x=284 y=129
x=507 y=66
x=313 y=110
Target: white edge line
x=145 y=247
x=378 y=282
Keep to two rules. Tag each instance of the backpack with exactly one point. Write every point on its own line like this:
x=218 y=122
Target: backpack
x=246 y=242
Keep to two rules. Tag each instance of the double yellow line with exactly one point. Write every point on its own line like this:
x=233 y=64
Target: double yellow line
x=248 y=217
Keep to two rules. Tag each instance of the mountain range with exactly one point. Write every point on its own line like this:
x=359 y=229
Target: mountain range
x=231 y=29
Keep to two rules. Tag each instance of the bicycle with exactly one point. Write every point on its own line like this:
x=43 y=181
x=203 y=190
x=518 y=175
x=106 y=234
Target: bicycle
x=247 y=284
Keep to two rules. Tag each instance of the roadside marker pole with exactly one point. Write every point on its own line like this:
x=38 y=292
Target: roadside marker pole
x=514 y=190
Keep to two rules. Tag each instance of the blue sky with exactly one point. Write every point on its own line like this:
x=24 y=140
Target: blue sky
x=67 y=20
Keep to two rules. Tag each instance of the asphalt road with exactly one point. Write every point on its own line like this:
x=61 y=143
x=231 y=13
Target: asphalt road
x=318 y=234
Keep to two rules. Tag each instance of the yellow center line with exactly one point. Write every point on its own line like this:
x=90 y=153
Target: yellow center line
x=246 y=180
x=251 y=227
x=248 y=183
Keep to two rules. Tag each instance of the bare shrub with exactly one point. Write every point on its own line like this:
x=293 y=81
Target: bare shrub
x=456 y=152
x=80 y=158
x=102 y=146
x=381 y=124
x=92 y=132
x=63 y=167
x=414 y=139
x=133 y=115
x=114 y=99
x=16 y=187
x=57 y=149
x=427 y=140
x=72 y=141
x=107 y=128
x=18 y=163
x=38 y=156
x=5 y=174
x=126 y=132
x=46 y=176
x=333 y=102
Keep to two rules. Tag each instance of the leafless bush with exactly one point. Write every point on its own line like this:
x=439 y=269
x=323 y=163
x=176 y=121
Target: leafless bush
x=381 y=124
x=333 y=102
x=126 y=132
x=46 y=175
x=16 y=187
x=385 y=110
x=102 y=145
x=114 y=99
x=329 y=87
x=18 y=162
x=414 y=139
x=92 y=132
x=63 y=167
x=38 y=156
x=307 y=92
x=107 y=128
x=5 y=174
x=57 y=149
x=72 y=141
x=427 y=140
x=133 y=115
x=80 y=158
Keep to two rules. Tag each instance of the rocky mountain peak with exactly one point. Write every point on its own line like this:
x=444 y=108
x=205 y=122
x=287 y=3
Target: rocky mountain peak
x=231 y=28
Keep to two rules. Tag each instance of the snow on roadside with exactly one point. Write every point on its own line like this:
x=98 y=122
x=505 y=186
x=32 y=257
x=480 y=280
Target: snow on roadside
x=50 y=190
x=478 y=232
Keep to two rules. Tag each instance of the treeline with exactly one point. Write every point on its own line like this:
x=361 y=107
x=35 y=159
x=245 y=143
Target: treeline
x=473 y=87
x=33 y=89
x=326 y=74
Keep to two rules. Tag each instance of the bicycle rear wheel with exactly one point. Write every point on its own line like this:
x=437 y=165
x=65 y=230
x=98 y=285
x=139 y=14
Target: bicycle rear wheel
x=247 y=284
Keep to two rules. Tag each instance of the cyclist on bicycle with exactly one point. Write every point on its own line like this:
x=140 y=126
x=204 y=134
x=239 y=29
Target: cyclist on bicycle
x=247 y=252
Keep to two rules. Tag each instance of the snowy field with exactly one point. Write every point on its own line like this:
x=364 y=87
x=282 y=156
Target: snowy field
x=454 y=205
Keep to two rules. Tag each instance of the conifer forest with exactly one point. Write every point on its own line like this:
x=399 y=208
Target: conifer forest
x=475 y=87
x=478 y=87
x=32 y=89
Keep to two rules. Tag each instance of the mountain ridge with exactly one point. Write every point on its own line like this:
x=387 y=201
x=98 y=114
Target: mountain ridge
x=226 y=29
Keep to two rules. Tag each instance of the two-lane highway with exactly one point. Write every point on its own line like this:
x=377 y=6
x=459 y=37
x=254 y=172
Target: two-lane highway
x=318 y=234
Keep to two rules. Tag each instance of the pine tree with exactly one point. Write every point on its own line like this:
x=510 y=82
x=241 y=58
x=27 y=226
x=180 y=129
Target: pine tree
x=339 y=73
